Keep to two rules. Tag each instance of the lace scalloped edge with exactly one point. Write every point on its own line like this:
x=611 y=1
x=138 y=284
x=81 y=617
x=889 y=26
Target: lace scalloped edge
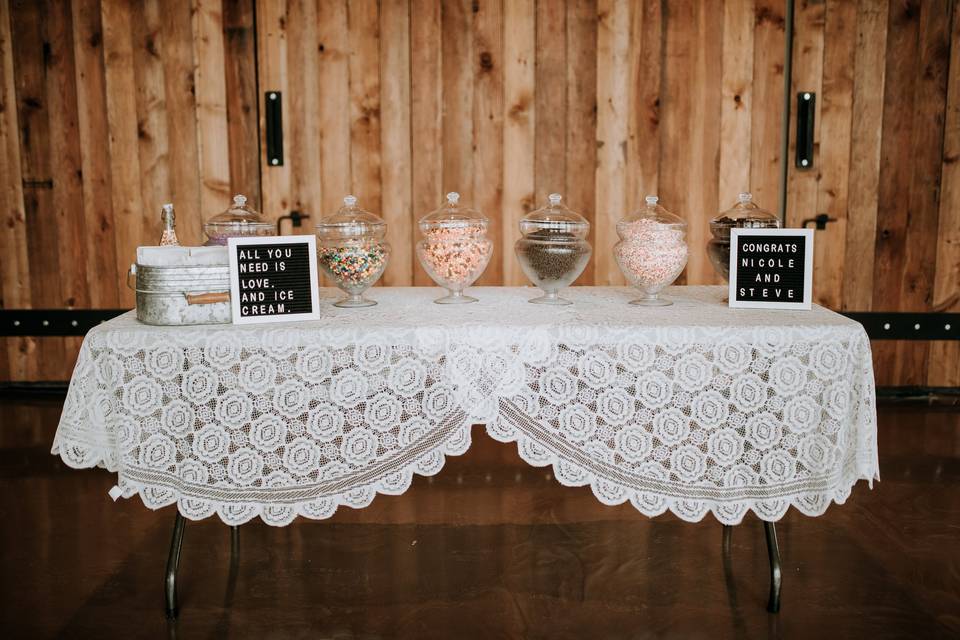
x=727 y=512
x=156 y=497
x=812 y=503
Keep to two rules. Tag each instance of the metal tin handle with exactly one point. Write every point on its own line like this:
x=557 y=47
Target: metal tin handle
x=132 y=272
x=208 y=298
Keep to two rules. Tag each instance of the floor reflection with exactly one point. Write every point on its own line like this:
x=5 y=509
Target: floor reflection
x=490 y=548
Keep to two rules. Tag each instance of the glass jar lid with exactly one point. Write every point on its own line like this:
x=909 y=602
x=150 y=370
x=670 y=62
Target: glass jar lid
x=652 y=212
x=453 y=215
x=744 y=212
x=237 y=219
x=350 y=221
x=555 y=218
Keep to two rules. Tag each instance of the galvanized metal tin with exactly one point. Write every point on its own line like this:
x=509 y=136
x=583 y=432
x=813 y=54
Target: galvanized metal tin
x=180 y=295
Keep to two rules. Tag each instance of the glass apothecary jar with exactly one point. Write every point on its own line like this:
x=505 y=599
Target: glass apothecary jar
x=351 y=250
x=743 y=215
x=454 y=248
x=553 y=251
x=652 y=251
x=238 y=221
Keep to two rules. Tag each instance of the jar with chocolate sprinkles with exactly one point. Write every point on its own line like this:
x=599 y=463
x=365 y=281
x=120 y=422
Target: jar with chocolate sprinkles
x=454 y=249
x=745 y=214
x=553 y=251
x=352 y=251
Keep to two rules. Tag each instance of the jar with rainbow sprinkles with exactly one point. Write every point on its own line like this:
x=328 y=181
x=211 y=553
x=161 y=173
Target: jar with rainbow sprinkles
x=454 y=249
x=351 y=250
x=652 y=251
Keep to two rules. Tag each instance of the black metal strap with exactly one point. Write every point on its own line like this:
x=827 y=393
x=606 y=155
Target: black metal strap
x=893 y=325
x=53 y=322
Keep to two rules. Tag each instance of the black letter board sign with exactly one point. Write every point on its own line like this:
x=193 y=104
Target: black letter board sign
x=273 y=278
x=771 y=268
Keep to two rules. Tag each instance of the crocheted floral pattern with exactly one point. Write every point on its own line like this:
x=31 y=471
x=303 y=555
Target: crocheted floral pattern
x=721 y=415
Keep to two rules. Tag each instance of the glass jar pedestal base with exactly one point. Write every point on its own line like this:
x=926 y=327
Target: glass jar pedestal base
x=355 y=300
x=550 y=297
x=454 y=297
x=651 y=300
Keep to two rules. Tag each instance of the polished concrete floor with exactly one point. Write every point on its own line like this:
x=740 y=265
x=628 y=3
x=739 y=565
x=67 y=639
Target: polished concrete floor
x=490 y=548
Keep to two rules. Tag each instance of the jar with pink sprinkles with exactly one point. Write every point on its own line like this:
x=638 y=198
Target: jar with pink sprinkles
x=652 y=251
x=454 y=249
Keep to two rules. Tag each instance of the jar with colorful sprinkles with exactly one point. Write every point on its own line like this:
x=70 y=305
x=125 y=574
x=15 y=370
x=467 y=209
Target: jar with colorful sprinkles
x=454 y=249
x=351 y=250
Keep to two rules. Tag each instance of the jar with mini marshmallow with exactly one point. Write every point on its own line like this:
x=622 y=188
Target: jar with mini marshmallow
x=351 y=250
x=454 y=248
x=652 y=251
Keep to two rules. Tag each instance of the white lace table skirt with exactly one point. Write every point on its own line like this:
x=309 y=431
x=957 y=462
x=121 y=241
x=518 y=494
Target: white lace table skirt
x=694 y=408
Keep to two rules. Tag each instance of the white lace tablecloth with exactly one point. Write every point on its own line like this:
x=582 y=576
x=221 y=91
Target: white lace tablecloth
x=694 y=408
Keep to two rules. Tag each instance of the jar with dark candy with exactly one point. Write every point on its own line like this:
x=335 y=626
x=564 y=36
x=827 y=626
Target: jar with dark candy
x=743 y=215
x=351 y=250
x=553 y=251
x=238 y=221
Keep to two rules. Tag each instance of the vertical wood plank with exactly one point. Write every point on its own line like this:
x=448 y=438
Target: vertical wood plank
x=643 y=125
x=809 y=18
x=519 y=86
x=945 y=356
x=488 y=125
x=865 y=136
x=737 y=100
x=766 y=117
x=303 y=104
x=365 y=102
x=833 y=173
x=613 y=42
x=20 y=363
x=457 y=52
x=66 y=172
x=551 y=103
x=239 y=34
x=32 y=54
x=581 y=119
x=705 y=139
x=334 y=79
x=426 y=121
x=101 y=269
x=272 y=74
x=211 y=110
x=395 y=139
x=153 y=138
x=181 y=88
x=122 y=120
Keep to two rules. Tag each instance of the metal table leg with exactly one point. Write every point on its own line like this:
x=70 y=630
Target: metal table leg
x=773 y=552
x=173 y=564
x=776 y=576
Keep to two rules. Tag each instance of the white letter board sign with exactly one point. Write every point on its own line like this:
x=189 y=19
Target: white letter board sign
x=771 y=268
x=273 y=278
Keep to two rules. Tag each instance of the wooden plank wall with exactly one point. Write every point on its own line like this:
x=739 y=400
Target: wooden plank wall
x=399 y=101
x=887 y=143
x=604 y=101
x=108 y=109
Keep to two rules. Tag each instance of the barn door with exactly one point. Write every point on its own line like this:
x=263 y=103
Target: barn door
x=881 y=168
